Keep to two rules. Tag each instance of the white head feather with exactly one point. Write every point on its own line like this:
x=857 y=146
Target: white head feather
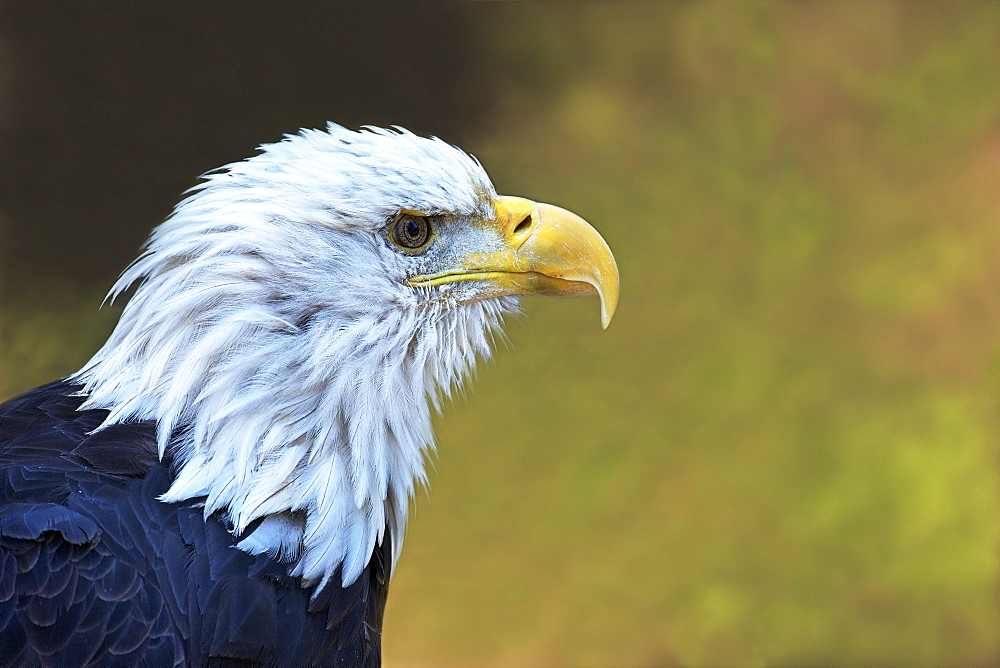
x=272 y=339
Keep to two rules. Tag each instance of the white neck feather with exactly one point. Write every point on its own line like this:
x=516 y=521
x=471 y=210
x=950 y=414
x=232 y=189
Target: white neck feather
x=320 y=429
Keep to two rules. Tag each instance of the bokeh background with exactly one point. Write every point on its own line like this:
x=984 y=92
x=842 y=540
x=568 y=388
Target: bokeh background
x=783 y=451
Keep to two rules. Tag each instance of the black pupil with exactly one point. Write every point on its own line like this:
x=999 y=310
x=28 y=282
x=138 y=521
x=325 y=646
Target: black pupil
x=412 y=228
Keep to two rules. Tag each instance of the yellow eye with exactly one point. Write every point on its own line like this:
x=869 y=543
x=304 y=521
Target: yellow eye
x=411 y=232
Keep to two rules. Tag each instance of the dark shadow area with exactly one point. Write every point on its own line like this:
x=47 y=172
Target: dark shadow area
x=111 y=111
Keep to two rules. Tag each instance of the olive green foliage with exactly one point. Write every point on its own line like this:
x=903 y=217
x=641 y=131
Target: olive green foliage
x=49 y=332
x=783 y=450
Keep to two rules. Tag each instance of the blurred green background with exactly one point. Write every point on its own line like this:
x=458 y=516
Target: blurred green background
x=784 y=449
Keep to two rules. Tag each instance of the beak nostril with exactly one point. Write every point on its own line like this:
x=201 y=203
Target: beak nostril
x=523 y=225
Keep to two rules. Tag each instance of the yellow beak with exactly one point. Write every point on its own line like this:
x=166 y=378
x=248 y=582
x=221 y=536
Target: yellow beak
x=545 y=250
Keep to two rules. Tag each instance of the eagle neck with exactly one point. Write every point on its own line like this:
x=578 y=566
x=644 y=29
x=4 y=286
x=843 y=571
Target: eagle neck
x=310 y=438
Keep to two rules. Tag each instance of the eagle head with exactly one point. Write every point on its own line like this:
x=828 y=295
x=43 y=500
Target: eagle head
x=299 y=313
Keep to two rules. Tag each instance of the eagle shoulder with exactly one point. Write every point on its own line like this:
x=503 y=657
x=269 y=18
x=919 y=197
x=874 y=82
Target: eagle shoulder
x=94 y=568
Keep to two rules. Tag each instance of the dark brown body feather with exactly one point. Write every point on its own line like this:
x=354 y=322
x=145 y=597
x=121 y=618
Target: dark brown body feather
x=95 y=570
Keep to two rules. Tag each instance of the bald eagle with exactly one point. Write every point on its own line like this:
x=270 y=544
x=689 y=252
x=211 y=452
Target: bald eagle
x=228 y=478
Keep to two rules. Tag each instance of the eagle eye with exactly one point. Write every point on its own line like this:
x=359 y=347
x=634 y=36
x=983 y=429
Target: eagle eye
x=411 y=232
